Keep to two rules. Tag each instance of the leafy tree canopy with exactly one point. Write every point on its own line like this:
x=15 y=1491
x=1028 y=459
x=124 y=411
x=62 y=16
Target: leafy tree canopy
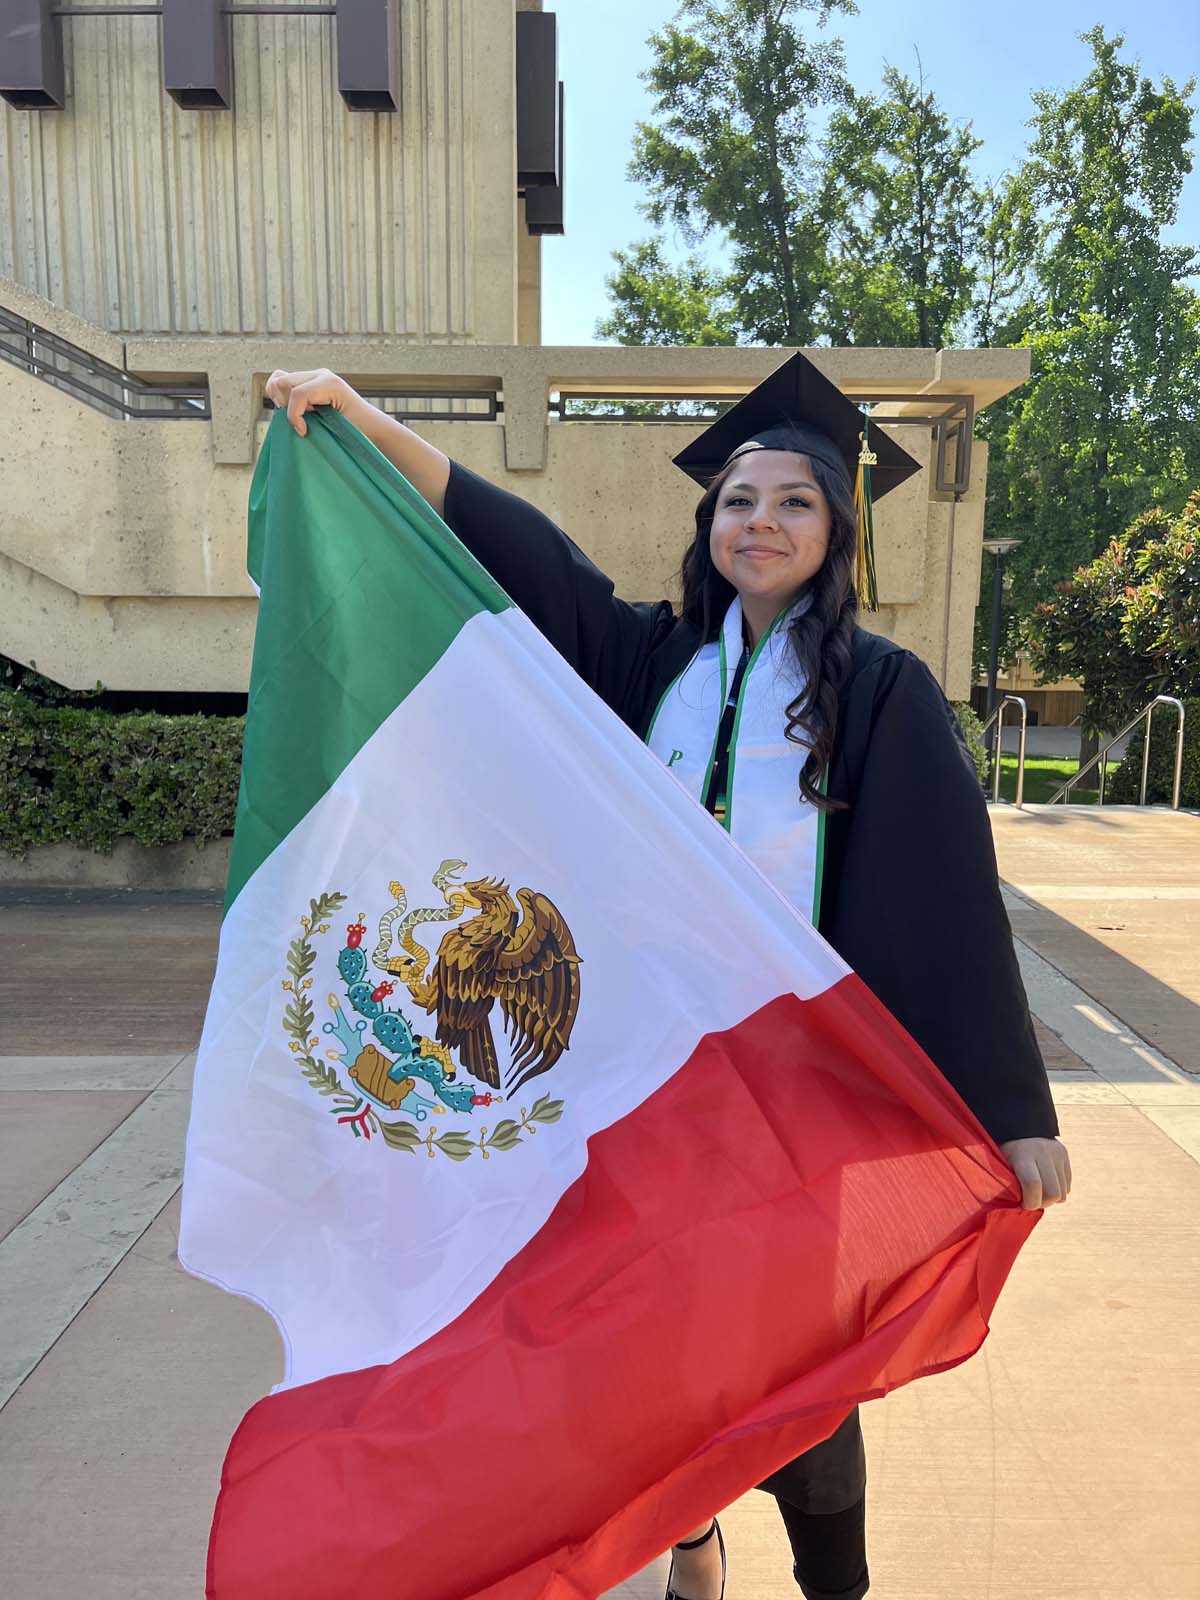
x=735 y=83
x=1107 y=424
x=656 y=303
x=905 y=219
x=1127 y=625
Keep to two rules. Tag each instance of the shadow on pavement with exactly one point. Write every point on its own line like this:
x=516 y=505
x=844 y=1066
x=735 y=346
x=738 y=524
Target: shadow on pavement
x=1164 y=1017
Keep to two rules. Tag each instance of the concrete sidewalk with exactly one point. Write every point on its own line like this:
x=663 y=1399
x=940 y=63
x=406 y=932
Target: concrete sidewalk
x=1061 y=1460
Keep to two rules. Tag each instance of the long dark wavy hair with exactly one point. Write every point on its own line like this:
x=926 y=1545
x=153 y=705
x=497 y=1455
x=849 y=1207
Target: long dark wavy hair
x=821 y=637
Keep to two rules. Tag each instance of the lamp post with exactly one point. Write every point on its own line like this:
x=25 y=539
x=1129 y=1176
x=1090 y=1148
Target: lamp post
x=998 y=548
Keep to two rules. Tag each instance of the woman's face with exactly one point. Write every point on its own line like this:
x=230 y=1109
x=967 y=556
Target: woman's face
x=770 y=528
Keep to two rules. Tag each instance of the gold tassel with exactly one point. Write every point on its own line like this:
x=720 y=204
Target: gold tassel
x=865 y=585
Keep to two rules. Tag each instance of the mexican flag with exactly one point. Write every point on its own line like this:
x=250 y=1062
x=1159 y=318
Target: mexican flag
x=585 y=1182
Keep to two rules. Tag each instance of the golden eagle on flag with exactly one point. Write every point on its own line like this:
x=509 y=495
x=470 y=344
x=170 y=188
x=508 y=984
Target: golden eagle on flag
x=519 y=952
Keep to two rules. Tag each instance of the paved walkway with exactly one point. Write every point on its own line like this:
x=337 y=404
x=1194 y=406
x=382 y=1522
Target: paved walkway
x=1062 y=1460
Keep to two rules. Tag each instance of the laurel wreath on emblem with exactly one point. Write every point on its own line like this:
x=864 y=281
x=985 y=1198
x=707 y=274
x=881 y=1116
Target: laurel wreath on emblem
x=524 y=959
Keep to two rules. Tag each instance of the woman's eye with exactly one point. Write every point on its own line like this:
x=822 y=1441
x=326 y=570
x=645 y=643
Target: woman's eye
x=792 y=500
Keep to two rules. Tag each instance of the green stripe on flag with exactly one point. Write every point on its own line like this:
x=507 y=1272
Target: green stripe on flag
x=363 y=589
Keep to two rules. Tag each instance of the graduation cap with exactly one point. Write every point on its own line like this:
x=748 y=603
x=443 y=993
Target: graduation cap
x=797 y=408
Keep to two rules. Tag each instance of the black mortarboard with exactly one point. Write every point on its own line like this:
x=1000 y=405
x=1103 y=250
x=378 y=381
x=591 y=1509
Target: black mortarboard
x=797 y=408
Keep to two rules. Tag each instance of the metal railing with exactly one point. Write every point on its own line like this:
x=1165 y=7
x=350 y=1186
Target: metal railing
x=997 y=717
x=109 y=389
x=414 y=404
x=122 y=395
x=528 y=377
x=1101 y=756
x=953 y=424
x=234 y=8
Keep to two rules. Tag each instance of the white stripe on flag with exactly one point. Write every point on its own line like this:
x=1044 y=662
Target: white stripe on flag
x=502 y=759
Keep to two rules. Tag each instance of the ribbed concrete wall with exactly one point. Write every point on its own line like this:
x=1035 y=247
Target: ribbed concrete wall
x=288 y=214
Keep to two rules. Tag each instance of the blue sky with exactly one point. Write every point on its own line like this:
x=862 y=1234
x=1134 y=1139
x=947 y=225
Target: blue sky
x=981 y=62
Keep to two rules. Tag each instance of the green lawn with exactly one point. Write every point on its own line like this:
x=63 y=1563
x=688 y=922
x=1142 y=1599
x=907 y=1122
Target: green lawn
x=1043 y=776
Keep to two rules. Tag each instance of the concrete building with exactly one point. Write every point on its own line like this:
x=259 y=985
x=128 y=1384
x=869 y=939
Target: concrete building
x=191 y=199
x=1058 y=704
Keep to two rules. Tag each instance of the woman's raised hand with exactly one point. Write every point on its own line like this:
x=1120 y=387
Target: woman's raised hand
x=423 y=464
x=299 y=392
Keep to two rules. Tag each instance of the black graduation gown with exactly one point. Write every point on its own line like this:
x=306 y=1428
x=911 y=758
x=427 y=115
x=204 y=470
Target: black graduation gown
x=910 y=896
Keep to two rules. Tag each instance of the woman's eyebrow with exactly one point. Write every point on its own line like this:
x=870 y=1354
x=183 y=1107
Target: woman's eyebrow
x=803 y=484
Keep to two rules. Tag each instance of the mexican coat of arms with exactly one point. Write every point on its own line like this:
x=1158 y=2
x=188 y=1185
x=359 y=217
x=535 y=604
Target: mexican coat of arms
x=381 y=1075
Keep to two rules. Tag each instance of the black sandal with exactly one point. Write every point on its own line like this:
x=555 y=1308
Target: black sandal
x=692 y=1544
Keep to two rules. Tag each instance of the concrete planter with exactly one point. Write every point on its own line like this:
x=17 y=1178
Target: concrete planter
x=186 y=865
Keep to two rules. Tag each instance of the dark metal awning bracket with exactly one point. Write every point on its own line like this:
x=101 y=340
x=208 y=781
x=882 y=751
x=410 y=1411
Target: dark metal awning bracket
x=956 y=422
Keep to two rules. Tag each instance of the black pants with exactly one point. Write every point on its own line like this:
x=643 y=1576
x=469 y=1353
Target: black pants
x=821 y=1497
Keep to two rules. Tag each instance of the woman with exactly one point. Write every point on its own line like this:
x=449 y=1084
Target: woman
x=829 y=754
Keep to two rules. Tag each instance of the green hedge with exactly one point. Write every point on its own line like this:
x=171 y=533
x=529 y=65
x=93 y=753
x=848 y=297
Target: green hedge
x=1123 y=786
x=91 y=777
x=972 y=729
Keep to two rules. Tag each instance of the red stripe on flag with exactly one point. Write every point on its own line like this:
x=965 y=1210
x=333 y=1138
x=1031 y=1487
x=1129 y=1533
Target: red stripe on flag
x=804 y=1216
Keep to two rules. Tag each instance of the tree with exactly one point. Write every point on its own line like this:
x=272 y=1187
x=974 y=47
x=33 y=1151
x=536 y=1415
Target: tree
x=729 y=152
x=1000 y=272
x=871 y=238
x=1107 y=424
x=1127 y=625
x=905 y=219
x=1162 y=610
x=655 y=303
